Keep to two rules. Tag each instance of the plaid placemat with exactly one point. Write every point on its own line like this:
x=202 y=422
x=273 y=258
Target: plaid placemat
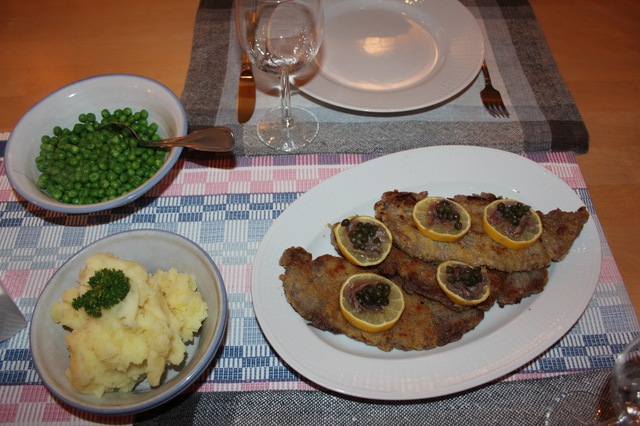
x=544 y=116
x=501 y=404
x=226 y=208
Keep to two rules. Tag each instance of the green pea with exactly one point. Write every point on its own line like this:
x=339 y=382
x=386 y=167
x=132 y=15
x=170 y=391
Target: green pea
x=73 y=161
x=43 y=182
x=82 y=164
x=56 y=193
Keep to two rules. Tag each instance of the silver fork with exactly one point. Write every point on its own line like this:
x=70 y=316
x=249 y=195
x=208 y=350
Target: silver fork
x=491 y=98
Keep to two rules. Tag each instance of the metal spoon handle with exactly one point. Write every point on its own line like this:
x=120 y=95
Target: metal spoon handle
x=211 y=139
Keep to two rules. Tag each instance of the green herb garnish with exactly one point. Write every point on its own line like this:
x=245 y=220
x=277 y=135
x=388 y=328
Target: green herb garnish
x=108 y=288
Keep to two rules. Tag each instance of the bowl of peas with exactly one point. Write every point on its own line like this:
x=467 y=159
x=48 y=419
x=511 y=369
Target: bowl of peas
x=62 y=156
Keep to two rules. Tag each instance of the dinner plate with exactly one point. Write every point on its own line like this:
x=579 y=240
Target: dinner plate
x=506 y=339
x=393 y=55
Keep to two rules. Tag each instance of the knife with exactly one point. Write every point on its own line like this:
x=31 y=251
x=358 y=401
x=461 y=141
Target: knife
x=246 y=91
x=11 y=319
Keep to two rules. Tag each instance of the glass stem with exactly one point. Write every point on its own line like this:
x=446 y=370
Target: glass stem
x=285 y=99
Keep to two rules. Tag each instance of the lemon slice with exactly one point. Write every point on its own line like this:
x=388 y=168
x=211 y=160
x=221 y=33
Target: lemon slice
x=383 y=312
x=511 y=223
x=462 y=283
x=363 y=240
x=441 y=219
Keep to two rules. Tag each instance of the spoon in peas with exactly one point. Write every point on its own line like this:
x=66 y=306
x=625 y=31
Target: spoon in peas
x=210 y=139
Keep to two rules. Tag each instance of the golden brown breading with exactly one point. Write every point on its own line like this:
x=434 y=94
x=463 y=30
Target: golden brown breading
x=430 y=319
x=312 y=287
x=476 y=248
x=418 y=277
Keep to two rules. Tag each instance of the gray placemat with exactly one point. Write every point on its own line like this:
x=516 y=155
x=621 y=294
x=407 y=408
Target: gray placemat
x=544 y=116
x=516 y=403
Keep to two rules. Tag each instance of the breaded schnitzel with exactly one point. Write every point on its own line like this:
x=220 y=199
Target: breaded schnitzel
x=418 y=277
x=312 y=287
x=430 y=318
x=476 y=248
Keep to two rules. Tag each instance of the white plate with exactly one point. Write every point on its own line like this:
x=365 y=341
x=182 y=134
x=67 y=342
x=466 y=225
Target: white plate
x=506 y=339
x=393 y=55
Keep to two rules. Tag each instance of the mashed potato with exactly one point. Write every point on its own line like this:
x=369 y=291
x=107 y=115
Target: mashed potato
x=135 y=339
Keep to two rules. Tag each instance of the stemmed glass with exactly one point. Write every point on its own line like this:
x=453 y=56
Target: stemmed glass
x=280 y=37
x=624 y=394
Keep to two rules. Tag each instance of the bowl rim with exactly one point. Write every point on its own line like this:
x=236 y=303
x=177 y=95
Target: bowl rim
x=53 y=205
x=170 y=393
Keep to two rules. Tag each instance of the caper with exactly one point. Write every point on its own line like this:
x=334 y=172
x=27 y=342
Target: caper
x=447 y=211
x=464 y=275
x=513 y=213
x=374 y=295
x=362 y=234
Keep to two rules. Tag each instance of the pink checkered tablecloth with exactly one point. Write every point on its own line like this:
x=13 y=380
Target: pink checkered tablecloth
x=226 y=207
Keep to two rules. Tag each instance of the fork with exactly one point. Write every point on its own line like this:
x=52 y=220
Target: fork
x=491 y=98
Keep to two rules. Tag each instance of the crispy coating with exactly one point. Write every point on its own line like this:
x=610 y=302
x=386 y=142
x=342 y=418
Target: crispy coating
x=476 y=248
x=418 y=277
x=560 y=229
x=518 y=285
x=431 y=319
x=312 y=287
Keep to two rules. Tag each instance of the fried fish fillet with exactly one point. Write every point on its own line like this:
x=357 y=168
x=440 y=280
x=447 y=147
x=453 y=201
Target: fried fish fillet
x=476 y=248
x=312 y=287
x=419 y=277
x=416 y=276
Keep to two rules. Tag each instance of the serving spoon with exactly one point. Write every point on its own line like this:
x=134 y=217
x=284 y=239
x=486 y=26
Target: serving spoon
x=211 y=139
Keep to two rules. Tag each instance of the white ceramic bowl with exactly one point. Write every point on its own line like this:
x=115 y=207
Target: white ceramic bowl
x=154 y=250
x=62 y=108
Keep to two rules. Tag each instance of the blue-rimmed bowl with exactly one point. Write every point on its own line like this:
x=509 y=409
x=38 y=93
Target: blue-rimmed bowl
x=62 y=108
x=154 y=250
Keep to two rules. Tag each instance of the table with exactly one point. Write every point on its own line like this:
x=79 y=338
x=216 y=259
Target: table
x=612 y=124
x=594 y=50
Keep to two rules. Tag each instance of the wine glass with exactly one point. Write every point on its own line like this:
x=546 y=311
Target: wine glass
x=280 y=37
x=625 y=385
x=622 y=408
